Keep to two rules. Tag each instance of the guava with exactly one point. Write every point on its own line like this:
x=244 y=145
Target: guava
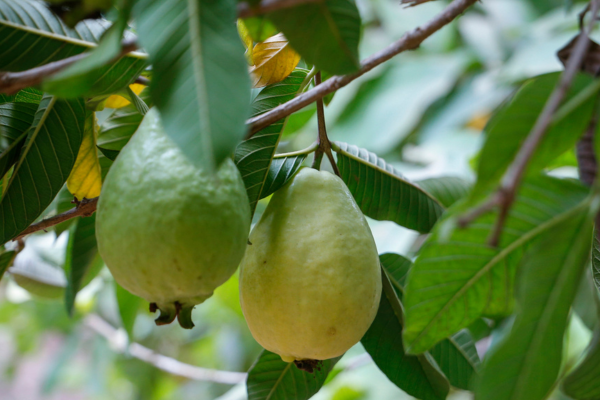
x=310 y=281
x=168 y=231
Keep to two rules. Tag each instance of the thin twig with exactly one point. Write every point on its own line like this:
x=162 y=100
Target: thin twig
x=12 y=82
x=506 y=192
x=118 y=340
x=409 y=41
x=85 y=208
x=245 y=10
x=322 y=140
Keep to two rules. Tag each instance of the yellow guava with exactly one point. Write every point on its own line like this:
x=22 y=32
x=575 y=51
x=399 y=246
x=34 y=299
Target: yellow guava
x=310 y=281
x=168 y=231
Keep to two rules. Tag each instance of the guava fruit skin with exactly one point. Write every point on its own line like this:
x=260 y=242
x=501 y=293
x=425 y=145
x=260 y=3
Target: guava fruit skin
x=310 y=283
x=168 y=231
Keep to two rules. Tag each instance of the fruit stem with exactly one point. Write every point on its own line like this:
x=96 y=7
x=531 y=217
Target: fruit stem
x=322 y=140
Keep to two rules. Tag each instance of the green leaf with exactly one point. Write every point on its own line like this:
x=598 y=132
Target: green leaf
x=325 y=33
x=260 y=28
x=37 y=36
x=459 y=278
x=583 y=383
x=253 y=157
x=15 y=120
x=456 y=356
x=508 y=129
x=397 y=268
x=382 y=193
x=200 y=79
x=525 y=365
x=270 y=378
x=78 y=79
x=419 y=375
x=280 y=172
x=446 y=189
x=6 y=259
x=81 y=251
x=27 y=95
x=118 y=128
x=128 y=307
x=46 y=160
x=596 y=259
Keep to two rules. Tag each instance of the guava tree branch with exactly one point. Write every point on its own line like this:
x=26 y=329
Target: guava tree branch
x=323 y=143
x=246 y=10
x=12 y=82
x=509 y=184
x=118 y=341
x=409 y=41
x=85 y=208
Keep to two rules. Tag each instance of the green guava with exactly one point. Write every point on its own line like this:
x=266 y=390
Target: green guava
x=168 y=231
x=310 y=281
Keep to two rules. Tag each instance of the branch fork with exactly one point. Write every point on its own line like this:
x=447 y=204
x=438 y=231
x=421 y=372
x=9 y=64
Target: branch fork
x=506 y=192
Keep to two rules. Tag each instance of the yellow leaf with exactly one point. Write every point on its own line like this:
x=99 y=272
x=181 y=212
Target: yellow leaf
x=274 y=60
x=117 y=101
x=85 y=180
x=478 y=121
x=246 y=39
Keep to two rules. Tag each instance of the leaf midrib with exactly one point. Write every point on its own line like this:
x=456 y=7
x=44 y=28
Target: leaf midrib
x=194 y=16
x=493 y=262
x=65 y=39
x=285 y=370
x=544 y=321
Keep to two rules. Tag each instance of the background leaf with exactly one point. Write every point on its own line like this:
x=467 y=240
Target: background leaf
x=118 y=128
x=260 y=28
x=280 y=172
x=46 y=160
x=77 y=79
x=583 y=383
x=128 y=307
x=274 y=60
x=456 y=356
x=446 y=189
x=38 y=36
x=85 y=180
x=199 y=78
x=525 y=365
x=270 y=378
x=382 y=193
x=81 y=253
x=15 y=120
x=253 y=156
x=6 y=259
x=325 y=33
x=507 y=130
x=596 y=259
x=418 y=376
x=459 y=278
